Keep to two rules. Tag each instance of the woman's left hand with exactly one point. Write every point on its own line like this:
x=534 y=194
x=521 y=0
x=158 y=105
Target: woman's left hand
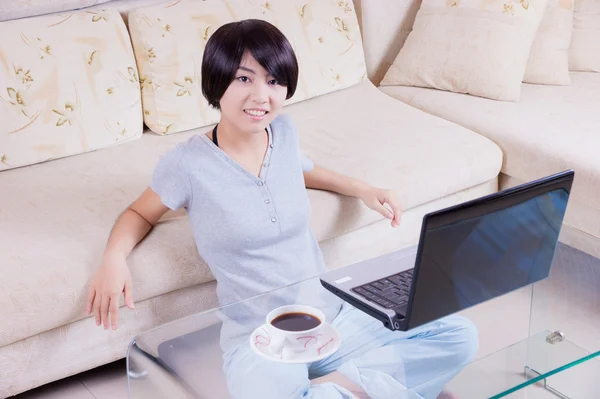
x=376 y=198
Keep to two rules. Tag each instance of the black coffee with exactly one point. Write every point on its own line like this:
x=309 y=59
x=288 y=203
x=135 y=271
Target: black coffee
x=295 y=321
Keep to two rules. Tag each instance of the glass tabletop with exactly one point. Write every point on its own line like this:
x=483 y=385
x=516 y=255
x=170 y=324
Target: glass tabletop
x=207 y=355
x=536 y=361
x=189 y=358
x=560 y=355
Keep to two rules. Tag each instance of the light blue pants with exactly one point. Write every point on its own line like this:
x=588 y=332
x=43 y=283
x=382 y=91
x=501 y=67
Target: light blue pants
x=383 y=363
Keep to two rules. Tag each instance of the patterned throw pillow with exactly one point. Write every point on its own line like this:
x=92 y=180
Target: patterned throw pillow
x=169 y=41
x=68 y=85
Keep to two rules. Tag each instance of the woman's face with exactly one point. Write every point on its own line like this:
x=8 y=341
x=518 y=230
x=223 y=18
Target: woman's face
x=253 y=99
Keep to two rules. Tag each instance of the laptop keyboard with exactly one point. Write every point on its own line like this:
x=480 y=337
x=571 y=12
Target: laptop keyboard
x=388 y=292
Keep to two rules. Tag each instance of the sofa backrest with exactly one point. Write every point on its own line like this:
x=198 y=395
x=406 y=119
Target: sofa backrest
x=385 y=25
x=15 y=9
x=49 y=91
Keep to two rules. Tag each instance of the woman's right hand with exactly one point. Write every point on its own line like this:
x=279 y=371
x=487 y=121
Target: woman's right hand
x=111 y=279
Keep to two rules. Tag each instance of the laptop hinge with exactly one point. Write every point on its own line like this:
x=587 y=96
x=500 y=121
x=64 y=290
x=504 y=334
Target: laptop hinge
x=401 y=311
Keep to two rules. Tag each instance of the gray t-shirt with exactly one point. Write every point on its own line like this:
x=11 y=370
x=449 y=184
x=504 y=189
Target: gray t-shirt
x=253 y=232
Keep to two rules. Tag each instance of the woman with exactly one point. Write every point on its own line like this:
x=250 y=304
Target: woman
x=244 y=187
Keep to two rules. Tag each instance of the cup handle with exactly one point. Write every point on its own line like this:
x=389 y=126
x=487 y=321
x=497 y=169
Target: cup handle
x=276 y=345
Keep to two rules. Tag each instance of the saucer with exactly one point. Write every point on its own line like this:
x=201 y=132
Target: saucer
x=259 y=342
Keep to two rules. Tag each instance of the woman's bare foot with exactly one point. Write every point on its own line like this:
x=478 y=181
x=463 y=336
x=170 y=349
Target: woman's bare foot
x=338 y=378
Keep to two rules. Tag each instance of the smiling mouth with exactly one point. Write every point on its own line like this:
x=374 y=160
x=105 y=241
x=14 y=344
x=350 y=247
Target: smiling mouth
x=256 y=113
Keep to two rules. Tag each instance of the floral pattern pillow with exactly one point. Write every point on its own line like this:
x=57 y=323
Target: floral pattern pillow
x=68 y=85
x=169 y=41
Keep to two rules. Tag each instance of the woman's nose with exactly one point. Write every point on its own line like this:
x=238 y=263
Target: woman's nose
x=260 y=94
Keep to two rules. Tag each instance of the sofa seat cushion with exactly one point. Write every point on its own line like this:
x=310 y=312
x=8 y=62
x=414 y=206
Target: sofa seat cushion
x=367 y=135
x=55 y=219
x=549 y=130
x=58 y=214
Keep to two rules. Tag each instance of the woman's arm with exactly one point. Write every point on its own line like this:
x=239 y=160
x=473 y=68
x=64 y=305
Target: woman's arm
x=324 y=179
x=375 y=198
x=112 y=277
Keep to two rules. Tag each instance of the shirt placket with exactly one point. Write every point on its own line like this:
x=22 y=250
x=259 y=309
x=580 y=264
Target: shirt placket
x=263 y=187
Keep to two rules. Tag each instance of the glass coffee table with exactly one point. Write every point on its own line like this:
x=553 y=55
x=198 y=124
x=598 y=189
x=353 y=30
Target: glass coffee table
x=542 y=341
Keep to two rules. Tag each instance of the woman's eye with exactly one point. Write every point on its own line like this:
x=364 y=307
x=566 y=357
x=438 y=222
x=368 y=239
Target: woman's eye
x=243 y=79
x=273 y=82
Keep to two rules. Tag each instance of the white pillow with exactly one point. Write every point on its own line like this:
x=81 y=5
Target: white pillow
x=169 y=41
x=584 y=54
x=549 y=58
x=479 y=47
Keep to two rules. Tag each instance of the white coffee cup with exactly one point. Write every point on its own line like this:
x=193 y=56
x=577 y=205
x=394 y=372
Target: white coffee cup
x=284 y=343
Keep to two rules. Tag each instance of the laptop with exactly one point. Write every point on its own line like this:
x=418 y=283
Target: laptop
x=467 y=254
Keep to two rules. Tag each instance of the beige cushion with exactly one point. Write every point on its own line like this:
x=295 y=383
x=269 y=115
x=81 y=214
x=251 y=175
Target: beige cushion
x=13 y=9
x=549 y=58
x=386 y=144
x=69 y=86
x=126 y=6
x=549 y=130
x=79 y=346
x=169 y=41
x=379 y=238
x=59 y=216
x=584 y=54
x=58 y=233
x=384 y=25
x=476 y=47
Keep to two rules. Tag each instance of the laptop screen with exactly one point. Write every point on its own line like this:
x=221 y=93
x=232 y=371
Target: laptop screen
x=469 y=261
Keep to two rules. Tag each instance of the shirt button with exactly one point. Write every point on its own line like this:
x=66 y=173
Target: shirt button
x=267 y=201
x=273 y=220
x=260 y=183
x=265 y=164
x=271 y=145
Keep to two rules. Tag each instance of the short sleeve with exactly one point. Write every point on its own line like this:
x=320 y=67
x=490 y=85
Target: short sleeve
x=171 y=181
x=307 y=164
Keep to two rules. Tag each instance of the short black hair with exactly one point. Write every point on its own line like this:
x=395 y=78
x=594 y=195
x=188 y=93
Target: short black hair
x=226 y=47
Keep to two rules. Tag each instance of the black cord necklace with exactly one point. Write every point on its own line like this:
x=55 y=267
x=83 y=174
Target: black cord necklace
x=216 y=140
x=214 y=136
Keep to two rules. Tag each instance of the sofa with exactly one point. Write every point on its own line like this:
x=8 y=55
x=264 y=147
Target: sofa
x=551 y=128
x=56 y=211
